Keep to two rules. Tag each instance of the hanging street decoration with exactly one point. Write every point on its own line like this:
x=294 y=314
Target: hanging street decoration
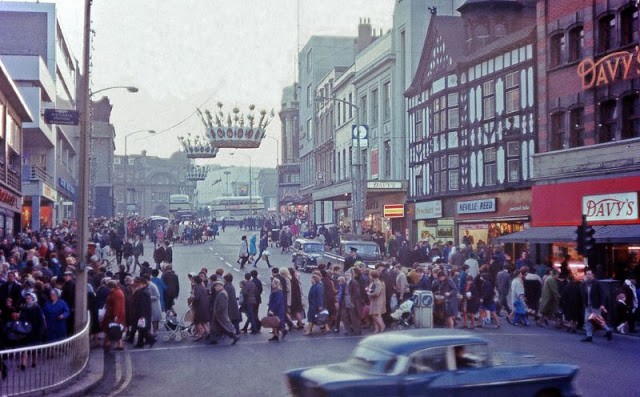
x=235 y=129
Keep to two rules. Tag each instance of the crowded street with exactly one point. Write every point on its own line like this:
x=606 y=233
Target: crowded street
x=254 y=367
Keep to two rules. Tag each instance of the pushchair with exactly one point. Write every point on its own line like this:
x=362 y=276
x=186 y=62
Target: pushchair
x=178 y=329
x=403 y=315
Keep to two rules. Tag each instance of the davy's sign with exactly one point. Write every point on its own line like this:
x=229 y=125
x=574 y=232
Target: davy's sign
x=621 y=65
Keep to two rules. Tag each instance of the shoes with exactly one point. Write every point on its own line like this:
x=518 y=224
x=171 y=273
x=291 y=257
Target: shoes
x=236 y=339
x=609 y=335
x=255 y=332
x=22 y=367
x=153 y=342
x=119 y=348
x=284 y=333
x=587 y=339
x=213 y=342
x=274 y=339
x=33 y=365
x=138 y=346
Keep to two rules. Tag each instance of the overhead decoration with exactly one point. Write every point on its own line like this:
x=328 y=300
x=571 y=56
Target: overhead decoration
x=197 y=172
x=235 y=129
x=198 y=147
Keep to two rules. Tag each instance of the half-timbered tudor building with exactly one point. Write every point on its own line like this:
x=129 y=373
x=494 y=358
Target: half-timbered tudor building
x=472 y=123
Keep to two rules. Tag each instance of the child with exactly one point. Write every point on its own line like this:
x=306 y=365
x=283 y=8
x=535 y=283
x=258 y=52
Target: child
x=520 y=311
x=621 y=314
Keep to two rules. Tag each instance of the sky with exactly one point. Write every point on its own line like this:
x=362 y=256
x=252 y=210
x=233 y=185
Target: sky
x=184 y=54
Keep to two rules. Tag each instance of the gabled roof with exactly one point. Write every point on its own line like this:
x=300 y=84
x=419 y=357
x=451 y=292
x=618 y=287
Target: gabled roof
x=451 y=30
x=509 y=40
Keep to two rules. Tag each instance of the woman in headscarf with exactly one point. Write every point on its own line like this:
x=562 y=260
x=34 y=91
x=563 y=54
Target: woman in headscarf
x=31 y=313
x=130 y=322
x=297 y=308
x=200 y=308
x=286 y=290
x=330 y=292
x=316 y=302
x=56 y=312
x=234 y=311
x=277 y=308
x=378 y=301
x=115 y=313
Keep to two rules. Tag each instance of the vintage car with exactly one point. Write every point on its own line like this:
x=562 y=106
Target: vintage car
x=307 y=254
x=431 y=363
x=367 y=252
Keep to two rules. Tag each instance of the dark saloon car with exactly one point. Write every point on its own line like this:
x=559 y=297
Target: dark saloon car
x=307 y=254
x=430 y=363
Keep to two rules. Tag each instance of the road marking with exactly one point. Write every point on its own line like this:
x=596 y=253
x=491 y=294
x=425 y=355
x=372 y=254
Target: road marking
x=128 y=377
x=236 y=269
x=228 y=264
x=210 y=248
x=221 y=258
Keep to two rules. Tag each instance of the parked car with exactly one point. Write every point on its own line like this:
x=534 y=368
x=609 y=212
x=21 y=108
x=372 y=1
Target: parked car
x=432 y=363
x=307 y=254
x=367 y=251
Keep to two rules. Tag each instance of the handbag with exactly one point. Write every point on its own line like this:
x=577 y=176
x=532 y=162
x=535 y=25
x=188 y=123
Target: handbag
x=18 y=330
x=597 y=321
x=142 y=322
x=322 y=318
x=266 y=253
x=270 y=322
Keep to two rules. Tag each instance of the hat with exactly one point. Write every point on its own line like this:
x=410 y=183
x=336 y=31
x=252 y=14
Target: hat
x=353 y=249
x=217 y=282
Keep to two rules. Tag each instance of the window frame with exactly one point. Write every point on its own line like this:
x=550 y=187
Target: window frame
x=576 y=43
x=607 y=29
x=629 y=34
x=557 y=48
x=489 y=100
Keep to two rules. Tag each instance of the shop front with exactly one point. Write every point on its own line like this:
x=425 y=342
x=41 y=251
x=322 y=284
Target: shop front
x=66 y=199
x=38 y=208
x=611 y=208
x=10 y=206
x=483 y=219
x=389 y=194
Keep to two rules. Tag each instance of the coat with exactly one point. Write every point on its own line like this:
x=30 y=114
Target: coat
x=161 y=288
x=56 y=327
x=252 y=245
x=221 y=312
x=571 y=302
x=141 y=306
x=34 y=316
x=200 y=304
x=296 y=296
x=249 y=293
x=156 y=306
x=172 y=284
x=243 y=251
x=329 y=295
x=277 y=305
x=114 y=309
x=316 y=301
x=234 y=309
x=353 y=289
x=377 y=298
x=533 y=290
x=550 y=299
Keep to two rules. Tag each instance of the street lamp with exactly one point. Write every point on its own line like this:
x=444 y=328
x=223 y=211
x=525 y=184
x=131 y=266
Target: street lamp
x=358 y=187
x=129 y=88
x=250 y=182
x=278 y=149
x=126 y=171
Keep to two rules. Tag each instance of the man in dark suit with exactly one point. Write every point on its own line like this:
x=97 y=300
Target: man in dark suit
x=138 y=251
x=141 y=307
x=593 y=299
x=10 y=289
x=220 y=315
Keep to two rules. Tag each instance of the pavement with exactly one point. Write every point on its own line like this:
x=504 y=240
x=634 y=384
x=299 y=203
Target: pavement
x=255 y=367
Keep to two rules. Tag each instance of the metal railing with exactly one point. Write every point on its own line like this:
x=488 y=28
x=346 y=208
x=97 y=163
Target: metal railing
x=55 y=364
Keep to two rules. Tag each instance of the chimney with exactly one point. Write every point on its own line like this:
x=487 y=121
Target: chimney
x=365 y=34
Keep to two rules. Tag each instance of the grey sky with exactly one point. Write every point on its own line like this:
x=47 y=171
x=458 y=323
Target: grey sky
x=181 y=52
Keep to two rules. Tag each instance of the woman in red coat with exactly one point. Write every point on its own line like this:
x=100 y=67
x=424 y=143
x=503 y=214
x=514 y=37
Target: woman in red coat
x=114 y=313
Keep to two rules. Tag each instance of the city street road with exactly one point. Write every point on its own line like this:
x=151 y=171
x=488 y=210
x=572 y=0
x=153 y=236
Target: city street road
x=254 y=367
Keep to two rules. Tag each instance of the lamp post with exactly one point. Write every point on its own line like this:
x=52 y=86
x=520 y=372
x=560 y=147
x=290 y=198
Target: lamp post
x=250 y=182
x=226 y=173
x=358 y=187
x=278 y=149
x=126 y=171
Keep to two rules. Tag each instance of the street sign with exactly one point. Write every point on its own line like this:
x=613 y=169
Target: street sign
x=394 y=211
x=360 y=133
x=61 y=116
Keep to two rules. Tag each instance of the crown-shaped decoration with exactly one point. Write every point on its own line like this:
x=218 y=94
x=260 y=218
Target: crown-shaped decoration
x=197 y=147
x=197 y=172
x=235 y=129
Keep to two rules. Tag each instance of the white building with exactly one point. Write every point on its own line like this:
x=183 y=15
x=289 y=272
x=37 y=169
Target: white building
x=35 y=52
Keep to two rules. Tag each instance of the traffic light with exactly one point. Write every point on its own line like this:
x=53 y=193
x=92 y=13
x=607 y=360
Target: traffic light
x=585 y=239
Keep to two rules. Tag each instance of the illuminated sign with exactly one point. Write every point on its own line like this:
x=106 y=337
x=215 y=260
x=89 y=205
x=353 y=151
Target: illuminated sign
x=621 y=65
x=611 y=207
x=394 y=211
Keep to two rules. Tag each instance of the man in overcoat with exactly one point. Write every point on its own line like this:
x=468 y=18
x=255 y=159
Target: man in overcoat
x=221 y=315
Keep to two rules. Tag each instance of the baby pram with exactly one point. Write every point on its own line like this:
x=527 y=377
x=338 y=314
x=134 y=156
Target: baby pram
x=403 y=315
x=178 y=329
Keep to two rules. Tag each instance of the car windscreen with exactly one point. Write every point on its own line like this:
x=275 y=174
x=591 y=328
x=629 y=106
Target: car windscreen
x=313 y=248
x=372 y=360
x=367 y=250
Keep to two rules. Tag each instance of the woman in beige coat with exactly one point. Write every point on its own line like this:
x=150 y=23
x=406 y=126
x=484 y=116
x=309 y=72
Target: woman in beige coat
x=378 y=301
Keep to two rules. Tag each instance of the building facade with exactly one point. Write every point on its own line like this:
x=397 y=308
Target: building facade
x=589 y=132
x=102 y=149
x=472 y=124
x=13 y=113
x=150 y=182
x=35 y=52
x=289 y=198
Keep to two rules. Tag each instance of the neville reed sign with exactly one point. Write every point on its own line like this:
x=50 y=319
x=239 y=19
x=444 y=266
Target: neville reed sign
x=621 y=65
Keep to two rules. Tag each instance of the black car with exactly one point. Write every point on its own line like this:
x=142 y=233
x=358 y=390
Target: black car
x=308 y=254
x=366 y=251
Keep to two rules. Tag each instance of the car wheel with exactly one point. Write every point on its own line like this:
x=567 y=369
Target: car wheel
x=548 y=393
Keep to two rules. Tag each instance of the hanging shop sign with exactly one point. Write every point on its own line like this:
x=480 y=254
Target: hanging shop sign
x=384 y=185
x=476 y=206
x=620 y=65
x=611 y=207
x=394 y=211
x=429 y=209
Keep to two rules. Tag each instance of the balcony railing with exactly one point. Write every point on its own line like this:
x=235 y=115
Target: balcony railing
x=32 y=172
x=13 y=178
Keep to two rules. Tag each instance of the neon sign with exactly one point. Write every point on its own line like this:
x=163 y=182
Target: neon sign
x=621 y=65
